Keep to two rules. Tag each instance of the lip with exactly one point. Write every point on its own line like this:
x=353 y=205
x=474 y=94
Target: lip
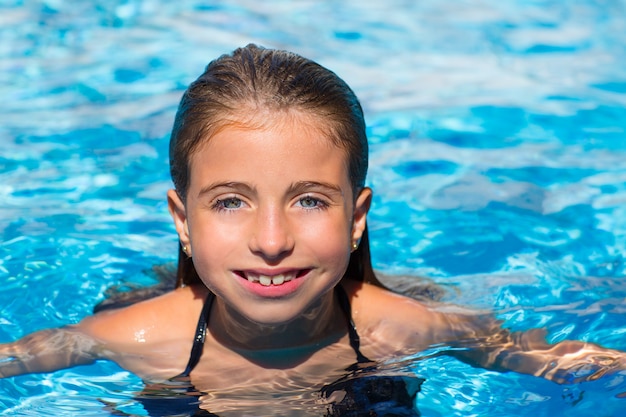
x=295 y=278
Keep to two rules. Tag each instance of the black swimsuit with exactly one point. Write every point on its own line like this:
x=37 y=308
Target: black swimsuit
x=363 y=392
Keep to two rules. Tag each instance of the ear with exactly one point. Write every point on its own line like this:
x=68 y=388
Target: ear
x=361 y=207
x=179 y=215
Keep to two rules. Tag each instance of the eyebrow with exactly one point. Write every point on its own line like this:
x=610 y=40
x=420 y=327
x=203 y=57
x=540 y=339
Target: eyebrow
x=303 y=186
x=295 y=188
x=231 y=185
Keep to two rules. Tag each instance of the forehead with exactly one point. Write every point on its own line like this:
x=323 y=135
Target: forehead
x=286 y=141
x=282 y=122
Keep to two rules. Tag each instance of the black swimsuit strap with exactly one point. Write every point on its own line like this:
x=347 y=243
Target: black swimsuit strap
x=198 y=341
x=355 y=340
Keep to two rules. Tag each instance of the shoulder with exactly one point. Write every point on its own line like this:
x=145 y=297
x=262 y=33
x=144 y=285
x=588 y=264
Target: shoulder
x=153 y=318
x=395 y=323
x=373 y=304
x=151 y=338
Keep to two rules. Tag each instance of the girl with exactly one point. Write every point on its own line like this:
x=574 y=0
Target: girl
x=275 y=290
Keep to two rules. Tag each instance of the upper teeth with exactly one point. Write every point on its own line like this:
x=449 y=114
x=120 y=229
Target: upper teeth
x=267 y=280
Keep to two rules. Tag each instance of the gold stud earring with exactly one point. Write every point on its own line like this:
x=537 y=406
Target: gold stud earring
x=355 y=246
x=185 y=250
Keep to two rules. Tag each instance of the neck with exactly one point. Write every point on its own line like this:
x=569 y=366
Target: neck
x=313 y=328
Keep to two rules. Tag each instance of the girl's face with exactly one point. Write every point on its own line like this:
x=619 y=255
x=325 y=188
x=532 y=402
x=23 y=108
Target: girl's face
x=270 y=217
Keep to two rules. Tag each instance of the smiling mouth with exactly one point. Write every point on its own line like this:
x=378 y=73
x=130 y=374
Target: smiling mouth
x=267 y=280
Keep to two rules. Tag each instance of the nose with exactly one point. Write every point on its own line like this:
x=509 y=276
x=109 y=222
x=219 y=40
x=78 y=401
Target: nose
x=272 y=238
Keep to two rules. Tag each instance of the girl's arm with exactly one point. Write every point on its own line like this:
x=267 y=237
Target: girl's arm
x=151 y=338
x=46 y=351
x=490 y=346
x=402 y=325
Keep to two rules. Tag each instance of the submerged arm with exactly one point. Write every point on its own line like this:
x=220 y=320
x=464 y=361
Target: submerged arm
x=493 y=347
x=46 y=351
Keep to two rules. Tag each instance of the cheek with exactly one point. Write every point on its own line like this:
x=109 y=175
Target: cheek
x=330 y=239
x=211 y=240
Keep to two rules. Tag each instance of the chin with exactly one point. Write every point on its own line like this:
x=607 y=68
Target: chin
x=273 y=319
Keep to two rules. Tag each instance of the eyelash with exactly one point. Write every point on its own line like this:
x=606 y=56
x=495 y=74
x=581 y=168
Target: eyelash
x=219 y=204
x=319 y=204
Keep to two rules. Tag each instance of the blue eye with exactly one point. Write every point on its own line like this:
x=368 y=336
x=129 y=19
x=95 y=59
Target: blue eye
x=231 y=203
x=309 y=202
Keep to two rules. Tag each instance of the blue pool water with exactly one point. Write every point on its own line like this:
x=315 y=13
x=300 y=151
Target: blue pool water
x=498 y=159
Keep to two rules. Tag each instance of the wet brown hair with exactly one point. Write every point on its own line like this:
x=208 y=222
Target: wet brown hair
x=254 y=78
